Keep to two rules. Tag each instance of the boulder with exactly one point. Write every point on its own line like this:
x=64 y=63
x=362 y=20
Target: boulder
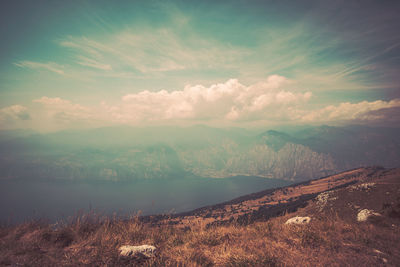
x=298 y=220
x=134 y=251
x=364 y=214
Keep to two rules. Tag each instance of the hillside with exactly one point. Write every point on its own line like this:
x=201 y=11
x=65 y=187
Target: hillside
x=273 y=202
x=247 y=231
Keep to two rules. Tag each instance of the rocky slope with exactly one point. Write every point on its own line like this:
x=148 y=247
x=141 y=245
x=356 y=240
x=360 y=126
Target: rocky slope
x=344 y=194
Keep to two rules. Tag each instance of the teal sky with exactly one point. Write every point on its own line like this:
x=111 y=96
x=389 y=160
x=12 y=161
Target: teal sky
x=79 y=64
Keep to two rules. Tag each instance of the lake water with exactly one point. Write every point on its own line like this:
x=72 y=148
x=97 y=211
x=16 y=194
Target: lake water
x=54 y=200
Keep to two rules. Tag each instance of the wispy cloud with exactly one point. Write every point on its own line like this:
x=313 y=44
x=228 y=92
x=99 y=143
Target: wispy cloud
x=319 y=60
x=84 y=61
x=311 y=58
x=49 y=66
x=155 y=50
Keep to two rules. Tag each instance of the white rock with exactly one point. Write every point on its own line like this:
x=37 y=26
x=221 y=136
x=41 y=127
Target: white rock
x=133 y=251
x=364 y=186
x=364 y=214
x=323 y=198
x=298 y=220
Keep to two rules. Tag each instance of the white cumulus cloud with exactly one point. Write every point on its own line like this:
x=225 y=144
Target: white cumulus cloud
x=230 y=100
x=362 y=111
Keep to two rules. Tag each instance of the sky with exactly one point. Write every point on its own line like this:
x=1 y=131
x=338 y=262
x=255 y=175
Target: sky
x=84 y=64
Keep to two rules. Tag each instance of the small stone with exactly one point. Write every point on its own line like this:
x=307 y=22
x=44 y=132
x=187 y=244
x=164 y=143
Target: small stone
x=298 y=220
x=133 y=251
x=378 y=251
x=364 y=214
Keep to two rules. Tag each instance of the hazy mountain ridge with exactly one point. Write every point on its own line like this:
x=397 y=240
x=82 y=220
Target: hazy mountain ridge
x=291 y=162
x=124 y=153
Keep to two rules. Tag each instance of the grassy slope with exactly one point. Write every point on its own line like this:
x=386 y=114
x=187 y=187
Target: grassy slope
x=327 y=241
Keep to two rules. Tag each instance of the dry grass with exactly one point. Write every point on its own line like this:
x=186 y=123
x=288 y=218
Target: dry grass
x=93 y=241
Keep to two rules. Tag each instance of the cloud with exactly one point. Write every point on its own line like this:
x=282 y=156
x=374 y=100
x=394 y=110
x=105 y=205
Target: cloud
x=93 y=63
x=317 y=59
x=14 y=113
x=152 y=50
x=50 y=66
x=385 y=116
x=362 y=111
x=272 y=101
x=55 y=101
x=63 y=111
x=231 y=101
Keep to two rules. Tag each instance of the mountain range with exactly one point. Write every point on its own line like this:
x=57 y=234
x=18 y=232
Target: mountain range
x=129 y=153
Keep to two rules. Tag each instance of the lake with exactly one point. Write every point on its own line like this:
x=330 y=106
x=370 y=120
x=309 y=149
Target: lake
x=54 y=200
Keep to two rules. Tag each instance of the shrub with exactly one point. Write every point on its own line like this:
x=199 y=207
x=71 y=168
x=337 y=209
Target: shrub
x=310 y=238
x=201 y=259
